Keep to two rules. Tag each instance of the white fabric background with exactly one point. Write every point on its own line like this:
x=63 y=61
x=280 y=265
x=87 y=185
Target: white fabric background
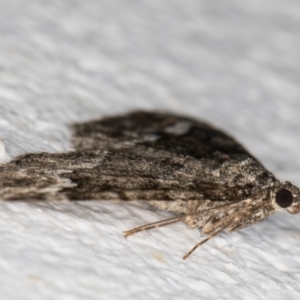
x=232 y=63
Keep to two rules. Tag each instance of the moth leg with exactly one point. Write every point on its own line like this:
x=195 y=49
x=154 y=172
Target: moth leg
x=205 y=240
x=153 y=225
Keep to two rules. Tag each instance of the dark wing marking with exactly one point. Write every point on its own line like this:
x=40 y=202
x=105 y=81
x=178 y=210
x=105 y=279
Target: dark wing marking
x=141 y=155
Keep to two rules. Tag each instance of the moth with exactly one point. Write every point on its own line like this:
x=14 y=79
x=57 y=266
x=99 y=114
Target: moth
x=172 y=162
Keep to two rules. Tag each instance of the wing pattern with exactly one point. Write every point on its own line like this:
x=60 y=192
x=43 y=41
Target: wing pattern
x=138 y=156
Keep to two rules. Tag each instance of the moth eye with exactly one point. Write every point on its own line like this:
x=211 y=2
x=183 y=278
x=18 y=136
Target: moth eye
x=284 y=198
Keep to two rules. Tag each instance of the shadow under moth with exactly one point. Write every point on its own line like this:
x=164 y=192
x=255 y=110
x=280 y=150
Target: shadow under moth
x=171 y=162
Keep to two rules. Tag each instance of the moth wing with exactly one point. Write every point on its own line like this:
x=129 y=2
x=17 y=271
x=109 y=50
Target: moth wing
x=139 y=156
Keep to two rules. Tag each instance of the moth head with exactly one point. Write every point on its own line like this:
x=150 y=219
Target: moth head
x=288 y=196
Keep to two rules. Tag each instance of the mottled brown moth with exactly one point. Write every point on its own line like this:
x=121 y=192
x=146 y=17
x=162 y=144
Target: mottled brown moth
x=171 y=162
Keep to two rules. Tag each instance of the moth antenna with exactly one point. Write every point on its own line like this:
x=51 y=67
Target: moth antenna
x=154 y=225
x=205 y=240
